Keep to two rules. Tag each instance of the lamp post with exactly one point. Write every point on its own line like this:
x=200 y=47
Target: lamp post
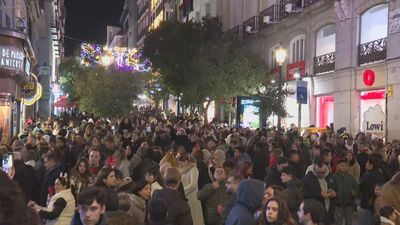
x=280 y=55
x=297 y=75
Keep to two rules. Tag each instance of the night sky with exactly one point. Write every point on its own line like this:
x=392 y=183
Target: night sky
x=87 y=20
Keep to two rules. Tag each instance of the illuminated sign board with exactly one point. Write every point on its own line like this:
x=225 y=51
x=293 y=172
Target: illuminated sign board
x=12 y=59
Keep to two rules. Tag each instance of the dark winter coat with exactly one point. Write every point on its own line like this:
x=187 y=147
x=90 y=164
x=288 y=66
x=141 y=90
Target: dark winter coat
x=26 y=178
x=204 y=176
x=294 y=194
x=346 y=185
x=49 y=179
x=178 y=208
x=249 y=198
x=212 y=198
x=367 y=187
x=273 y=177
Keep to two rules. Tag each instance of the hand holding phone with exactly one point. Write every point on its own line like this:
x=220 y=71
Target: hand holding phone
x=7 y=162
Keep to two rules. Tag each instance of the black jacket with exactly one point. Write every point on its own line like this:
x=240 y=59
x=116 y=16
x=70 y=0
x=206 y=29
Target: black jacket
x=367 y=187
x=273 y=177
x=312 y=188
x=178 y=210
x=49 y=179
x=204 y=176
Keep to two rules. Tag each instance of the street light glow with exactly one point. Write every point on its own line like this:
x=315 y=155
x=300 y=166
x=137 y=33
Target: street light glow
x=280 y=55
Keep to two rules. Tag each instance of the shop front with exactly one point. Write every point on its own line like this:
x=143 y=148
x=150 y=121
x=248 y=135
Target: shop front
x=14 y=75
x=325 y=110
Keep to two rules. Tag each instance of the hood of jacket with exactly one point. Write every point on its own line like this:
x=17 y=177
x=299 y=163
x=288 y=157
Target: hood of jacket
x=250 y=194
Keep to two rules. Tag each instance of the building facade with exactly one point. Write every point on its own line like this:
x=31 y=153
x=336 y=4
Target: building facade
x=346 y=51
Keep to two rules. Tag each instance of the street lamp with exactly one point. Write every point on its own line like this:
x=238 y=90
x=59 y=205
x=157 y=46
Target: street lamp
x=280 y=56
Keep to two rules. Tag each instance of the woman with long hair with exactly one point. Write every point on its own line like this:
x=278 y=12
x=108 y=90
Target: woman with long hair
x=140 y=195
x=81 y=176
x=353 y=168
x=106 y=179
x=276 y=212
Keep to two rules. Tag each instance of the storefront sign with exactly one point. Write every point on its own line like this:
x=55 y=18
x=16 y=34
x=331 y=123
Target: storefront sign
x=374 y=120
x=394 y=21
x=301 y=92
x=298 y=67
x=33 y=91
x=12 y=59
x=369 y=77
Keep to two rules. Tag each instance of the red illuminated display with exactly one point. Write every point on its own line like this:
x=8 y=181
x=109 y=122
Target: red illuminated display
x=369 y=77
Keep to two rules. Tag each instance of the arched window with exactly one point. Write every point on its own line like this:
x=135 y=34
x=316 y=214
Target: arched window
x=297 y=46
x=325 y=40
x=374 y=23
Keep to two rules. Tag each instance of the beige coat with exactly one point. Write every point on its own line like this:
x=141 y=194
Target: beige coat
x=68 y=212
x=390 y=196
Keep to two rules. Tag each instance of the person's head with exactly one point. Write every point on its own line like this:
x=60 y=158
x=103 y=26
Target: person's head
x=106 y=178
x=246 y=169
x=287 y=174
x=388 y=212
x=341 y=166
x=320 y=169
x=310 y=211
x=124 y=201
x=13 y=210
x=172 y=178
x=219 y=157
x=276 y=211
x=239 y=150
x=158 y=209
x=294 y=156
x=377 y=189
x=142 y=188
x=61 y=183
x=82 y=167
x=219 y=174
x=153 y=175
x=91 y=205
x=350 y=158
x=119 y=217
x=372 y=163
x=94 y=157
x=50 y=161
x=60 y=141
x=282 y=163
x=273 y=191
x=326 y=155
x=232 y=184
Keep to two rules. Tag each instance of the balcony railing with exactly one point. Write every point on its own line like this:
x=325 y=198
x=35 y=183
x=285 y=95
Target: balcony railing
x=372 y=51
x=250 y=26
x=237 y=31
x=268 y=16
x=144 y=8
x=284 y=4
x=308 y=3
x=324 y=63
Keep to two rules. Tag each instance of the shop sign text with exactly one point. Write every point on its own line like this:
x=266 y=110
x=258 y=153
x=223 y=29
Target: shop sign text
x=373 y=120
x=11 y=58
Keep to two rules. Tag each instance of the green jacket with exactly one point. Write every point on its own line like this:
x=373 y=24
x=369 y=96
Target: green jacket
x=212 y=198
x=347 y=189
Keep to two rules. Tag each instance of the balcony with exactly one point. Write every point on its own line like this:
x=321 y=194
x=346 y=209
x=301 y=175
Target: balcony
x=308 y=3
x=324 y=63
x=373 y=51
x=144 y=8
x=286 y=7
x=237 y=31
x=250 y=26
x=268 y=16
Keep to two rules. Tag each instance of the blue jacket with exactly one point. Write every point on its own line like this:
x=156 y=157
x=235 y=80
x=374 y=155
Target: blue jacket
x=249 y=198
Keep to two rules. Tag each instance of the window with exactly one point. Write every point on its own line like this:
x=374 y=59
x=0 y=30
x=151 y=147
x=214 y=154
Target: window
x=326 y=40
x=208 y=9
x=374 y=23
x=297 y=46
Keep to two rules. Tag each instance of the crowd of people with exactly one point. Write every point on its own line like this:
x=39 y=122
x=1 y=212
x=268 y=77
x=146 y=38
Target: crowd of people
x=154 y=168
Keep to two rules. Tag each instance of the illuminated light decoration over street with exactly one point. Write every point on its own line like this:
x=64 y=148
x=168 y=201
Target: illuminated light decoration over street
x=118 y=58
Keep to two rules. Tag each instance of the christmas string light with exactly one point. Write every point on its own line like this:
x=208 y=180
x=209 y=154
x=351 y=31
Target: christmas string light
x=118 y=58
